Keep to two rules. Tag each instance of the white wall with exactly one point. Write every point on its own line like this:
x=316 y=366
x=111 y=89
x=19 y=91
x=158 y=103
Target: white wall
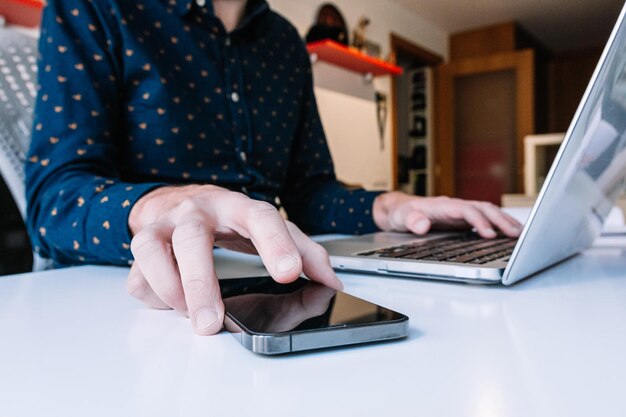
x=346 y=102
x=385 y=16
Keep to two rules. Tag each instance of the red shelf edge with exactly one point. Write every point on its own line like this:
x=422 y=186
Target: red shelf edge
x=22 y=12
x=29 y=3
x=323 y=47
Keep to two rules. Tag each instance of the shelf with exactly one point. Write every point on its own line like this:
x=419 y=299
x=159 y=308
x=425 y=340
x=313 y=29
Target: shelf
x=419 y=141
x=351 y=59
x=22 y=12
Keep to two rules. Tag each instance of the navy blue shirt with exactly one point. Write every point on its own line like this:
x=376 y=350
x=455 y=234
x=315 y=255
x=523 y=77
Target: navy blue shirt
x=136 y=95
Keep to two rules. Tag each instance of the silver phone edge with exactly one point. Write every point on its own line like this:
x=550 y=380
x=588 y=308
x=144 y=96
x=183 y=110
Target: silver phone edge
x=274 y=344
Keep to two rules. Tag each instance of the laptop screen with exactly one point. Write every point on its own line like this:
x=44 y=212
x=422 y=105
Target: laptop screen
x=588 y=173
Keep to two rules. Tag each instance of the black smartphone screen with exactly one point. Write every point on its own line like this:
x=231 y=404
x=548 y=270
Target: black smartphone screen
x=262 y=305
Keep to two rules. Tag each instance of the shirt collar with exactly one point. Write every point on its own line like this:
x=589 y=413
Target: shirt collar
x=181 y=7
x=253 y=8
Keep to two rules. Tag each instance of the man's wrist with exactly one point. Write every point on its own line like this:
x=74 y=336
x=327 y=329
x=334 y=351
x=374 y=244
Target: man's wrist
x=384 y=204
x=380 y=209
x=137 y=212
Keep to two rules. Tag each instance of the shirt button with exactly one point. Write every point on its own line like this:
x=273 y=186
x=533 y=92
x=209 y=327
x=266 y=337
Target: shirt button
x=243 y=156
x=201 y=3
x=227 y=41
x=244 y=190
x=234 y=97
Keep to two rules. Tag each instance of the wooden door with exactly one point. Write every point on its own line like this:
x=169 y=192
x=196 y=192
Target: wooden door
x=484 y=108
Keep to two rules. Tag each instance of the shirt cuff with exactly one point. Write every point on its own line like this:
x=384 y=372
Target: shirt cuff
x=355 y=212
x=107 y=223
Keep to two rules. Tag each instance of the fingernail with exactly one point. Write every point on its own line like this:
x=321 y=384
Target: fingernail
x=421 y=224
x=490 y=232
x=286 y=263
x=205 y=318
x=338 y=284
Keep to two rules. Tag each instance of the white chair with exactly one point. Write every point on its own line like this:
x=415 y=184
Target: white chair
x=18 y=77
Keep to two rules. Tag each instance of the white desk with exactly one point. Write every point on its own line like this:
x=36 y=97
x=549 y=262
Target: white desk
x=73 y=343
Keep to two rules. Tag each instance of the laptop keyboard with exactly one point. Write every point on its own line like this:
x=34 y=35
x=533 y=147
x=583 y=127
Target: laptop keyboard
x=467 y=249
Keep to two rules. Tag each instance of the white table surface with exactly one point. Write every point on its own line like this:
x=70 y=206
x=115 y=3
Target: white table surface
x=73 y=343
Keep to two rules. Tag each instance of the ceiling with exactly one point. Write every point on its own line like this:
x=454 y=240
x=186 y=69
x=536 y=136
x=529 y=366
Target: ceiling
x=561 y=25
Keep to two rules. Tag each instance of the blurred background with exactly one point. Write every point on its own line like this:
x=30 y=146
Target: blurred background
x=468 y=99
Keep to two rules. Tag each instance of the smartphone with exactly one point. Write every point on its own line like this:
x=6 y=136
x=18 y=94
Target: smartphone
x=271 y=318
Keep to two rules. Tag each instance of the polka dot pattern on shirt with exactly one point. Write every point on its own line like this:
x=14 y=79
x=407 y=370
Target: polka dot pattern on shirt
x=137 y=95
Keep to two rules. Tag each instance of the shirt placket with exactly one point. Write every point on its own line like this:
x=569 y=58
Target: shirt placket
x=240 y=122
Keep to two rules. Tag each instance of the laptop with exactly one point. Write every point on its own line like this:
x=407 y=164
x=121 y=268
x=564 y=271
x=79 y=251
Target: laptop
x=580 y=189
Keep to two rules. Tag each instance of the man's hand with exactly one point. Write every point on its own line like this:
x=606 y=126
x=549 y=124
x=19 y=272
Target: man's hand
x=401 y=212
x=175 y=229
